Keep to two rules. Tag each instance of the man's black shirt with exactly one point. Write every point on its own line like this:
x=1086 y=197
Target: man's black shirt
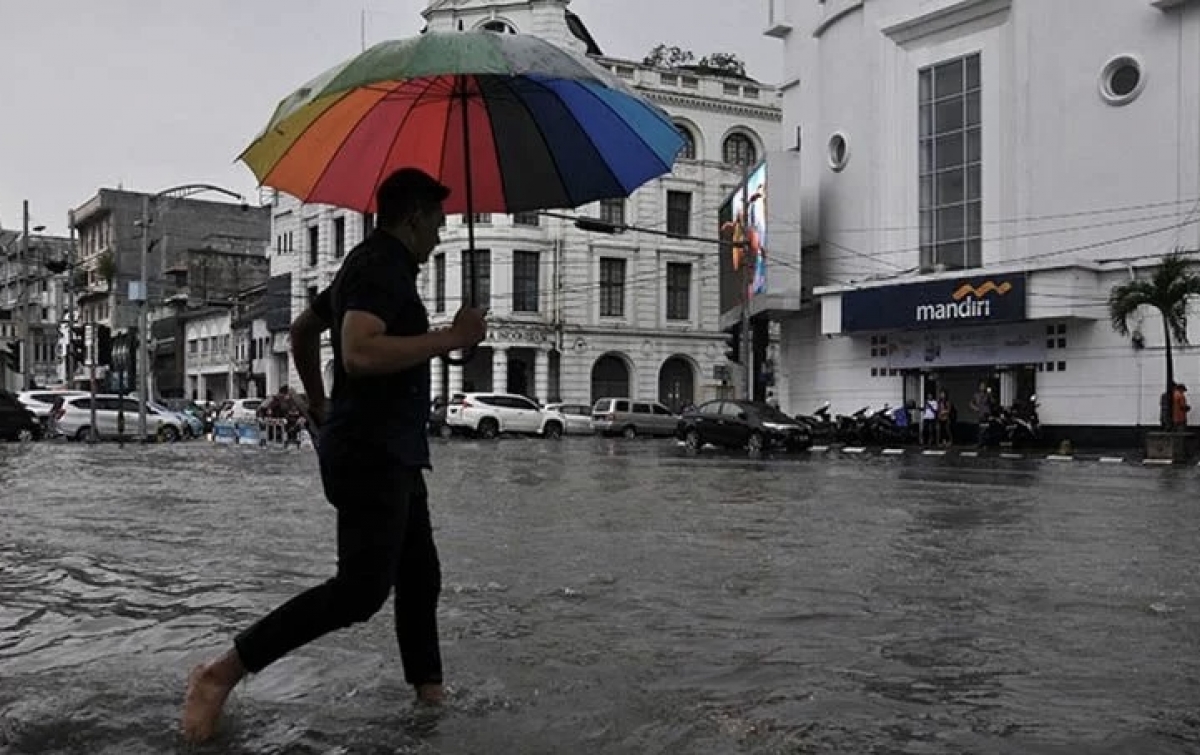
x=389 y=412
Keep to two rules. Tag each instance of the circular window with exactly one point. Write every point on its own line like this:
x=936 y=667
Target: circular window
x=839 y=152
x=1122 y=80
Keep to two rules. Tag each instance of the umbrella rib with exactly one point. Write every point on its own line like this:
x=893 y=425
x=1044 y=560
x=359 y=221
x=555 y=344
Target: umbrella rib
x=288 y=150
x=541 y=132
x=396 y=136
x=611 y=109
x=446 y=130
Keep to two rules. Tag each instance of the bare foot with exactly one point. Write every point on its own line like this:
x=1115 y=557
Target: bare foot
x=208 y=687
x=430 y=694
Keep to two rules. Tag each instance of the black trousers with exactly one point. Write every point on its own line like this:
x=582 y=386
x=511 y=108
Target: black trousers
x=384 y=540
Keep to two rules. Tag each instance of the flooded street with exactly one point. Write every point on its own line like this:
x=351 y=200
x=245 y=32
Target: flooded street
x=617 y=597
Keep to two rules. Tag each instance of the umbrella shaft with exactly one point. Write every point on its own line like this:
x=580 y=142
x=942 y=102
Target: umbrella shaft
x=472 y=272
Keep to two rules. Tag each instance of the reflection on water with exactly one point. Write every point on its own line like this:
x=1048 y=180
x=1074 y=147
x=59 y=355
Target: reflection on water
x=616 y=597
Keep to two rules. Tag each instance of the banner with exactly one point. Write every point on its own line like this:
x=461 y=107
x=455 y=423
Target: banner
x=949 y=302
x=968 y=347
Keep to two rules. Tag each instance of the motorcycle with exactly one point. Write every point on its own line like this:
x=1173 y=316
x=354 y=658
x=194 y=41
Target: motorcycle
x=820 y=424
x=1023 y=425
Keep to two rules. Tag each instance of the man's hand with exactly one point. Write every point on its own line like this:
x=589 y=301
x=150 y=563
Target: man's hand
x=469 y=327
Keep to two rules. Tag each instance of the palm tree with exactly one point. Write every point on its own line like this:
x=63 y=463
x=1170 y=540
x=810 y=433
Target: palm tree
x=1167 y=291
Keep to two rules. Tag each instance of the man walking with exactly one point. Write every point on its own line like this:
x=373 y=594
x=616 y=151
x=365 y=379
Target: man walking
x=373 y=451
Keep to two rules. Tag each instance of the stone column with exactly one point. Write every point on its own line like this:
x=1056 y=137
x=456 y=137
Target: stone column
x=436 y=389
x=1008 y=387
x=541 y=375
x=201 y=387
x=500 y=369
x=456 y=377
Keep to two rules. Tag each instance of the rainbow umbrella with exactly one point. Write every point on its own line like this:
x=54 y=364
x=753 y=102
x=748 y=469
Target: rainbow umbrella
x=509 y=122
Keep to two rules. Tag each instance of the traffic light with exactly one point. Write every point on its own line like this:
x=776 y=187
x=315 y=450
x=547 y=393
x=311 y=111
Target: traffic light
x=78 y=345
x=733 y=344
x=12 y=356
x=104 y=345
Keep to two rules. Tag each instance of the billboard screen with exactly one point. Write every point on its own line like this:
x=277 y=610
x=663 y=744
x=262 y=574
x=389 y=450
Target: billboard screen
x=745 y=240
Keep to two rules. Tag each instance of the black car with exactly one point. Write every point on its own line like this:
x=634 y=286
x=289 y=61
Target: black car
x=742 y=424
x=17 y=422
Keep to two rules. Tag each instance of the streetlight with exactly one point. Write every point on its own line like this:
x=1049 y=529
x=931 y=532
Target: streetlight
x=175 y=192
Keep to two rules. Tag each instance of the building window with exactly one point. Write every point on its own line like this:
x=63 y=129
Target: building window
x=311 y=294
x=839 y=152
x=689 y=143
x=439 y=283
x=739 y=150
x=679 y=291
x=525 y=281
x=612 y=211
x=339 y=237
x=526 y=218
x=482 y=269
x=679 y=213
x=482 y=218
x=499 y=27
x=1122 y=80
x=951 y=148
x=314 y=245
x=612 y=287
x=368 y=223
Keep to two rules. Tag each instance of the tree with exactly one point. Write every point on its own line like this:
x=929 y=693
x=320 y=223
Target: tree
x=663 y=56
x=1167 y=291
x=106 y=268
x=724 y=63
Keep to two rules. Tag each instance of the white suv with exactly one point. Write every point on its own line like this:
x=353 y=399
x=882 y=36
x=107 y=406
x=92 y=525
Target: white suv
x=489 y=414
x=76 y=420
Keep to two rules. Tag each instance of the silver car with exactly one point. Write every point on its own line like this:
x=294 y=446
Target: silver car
x=578 y=417
x=624 y=416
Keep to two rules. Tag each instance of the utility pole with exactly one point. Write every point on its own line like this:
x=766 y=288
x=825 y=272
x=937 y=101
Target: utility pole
x=747 y=281
x=68 y=363
x=23 y=350
x=90 y=358
x=143 y=342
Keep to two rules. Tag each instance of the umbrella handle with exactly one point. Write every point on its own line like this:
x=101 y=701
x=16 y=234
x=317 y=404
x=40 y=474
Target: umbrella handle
x=467 y=356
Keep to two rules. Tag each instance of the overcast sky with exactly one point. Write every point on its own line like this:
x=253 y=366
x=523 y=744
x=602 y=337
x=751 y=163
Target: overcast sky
x=149 y=93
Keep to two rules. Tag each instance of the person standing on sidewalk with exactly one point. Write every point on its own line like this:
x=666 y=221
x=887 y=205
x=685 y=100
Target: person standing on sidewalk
x=373 y=451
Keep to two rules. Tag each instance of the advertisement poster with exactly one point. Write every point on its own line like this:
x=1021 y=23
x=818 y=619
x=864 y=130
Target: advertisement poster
x=744 y=231
x=968 y=347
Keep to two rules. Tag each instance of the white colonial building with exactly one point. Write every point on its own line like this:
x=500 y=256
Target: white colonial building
x=576 y=315
x=970 y=180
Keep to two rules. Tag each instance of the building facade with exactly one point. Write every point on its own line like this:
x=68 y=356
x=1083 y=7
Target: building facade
x=576 y=315
x=200 y=251
x=29 y=286
x=970 y=179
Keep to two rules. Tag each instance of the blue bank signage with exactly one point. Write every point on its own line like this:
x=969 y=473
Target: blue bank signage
x=950 y=302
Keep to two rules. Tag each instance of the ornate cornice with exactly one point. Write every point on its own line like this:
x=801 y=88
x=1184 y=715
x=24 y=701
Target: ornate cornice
x=764 y=112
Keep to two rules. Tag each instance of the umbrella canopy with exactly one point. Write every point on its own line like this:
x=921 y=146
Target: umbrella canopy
x=539 y=127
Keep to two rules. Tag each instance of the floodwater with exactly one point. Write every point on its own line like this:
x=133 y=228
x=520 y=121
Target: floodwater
x=617 y=597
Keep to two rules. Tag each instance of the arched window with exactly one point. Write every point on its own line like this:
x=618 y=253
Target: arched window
x=498 y=26
x=739 y=150
x=689 y=142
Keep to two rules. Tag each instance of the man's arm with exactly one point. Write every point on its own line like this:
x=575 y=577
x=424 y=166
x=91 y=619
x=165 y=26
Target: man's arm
x=368 y=350
x=373 y=297
x=306 y=351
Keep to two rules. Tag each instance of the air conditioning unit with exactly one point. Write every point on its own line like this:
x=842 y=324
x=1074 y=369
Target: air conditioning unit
x=778 y=24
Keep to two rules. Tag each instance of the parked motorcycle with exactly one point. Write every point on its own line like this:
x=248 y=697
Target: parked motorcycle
x=820 y=423
x=852 y=428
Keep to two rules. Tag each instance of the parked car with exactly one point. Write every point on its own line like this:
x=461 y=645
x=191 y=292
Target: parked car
x=17 y=422
x=41 y=402
x=577 y=416
x=742 y=424
x=490 y=414
x=437 y=417
x=623 y=416
x=76 y=420
x=240 y=409
x=193 y=427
